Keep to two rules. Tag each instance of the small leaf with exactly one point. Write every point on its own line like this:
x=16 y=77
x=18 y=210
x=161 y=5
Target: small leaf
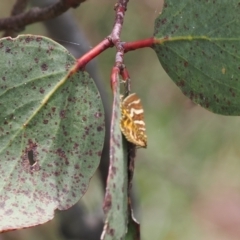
x=133 y=228
x=51 y=131
x=115 y=202
x=198 y=45
x=133 y=232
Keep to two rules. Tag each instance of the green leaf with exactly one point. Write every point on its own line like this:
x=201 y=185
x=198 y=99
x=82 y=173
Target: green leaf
x=51 y=131
x=198 y=43
x=115 y=202
x=133 y=232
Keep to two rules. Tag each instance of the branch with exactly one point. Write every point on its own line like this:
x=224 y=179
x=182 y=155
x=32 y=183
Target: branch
x=114 y=78
x=112 y=39
x=37 y=14
x=87 y=57
x=130 y=46
x=120 y=8
x=18 y=8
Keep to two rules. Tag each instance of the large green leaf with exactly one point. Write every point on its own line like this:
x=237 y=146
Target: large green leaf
x=198 y=45
x=51 y=131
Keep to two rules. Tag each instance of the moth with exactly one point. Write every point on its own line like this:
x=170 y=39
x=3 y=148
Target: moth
x=132 y=122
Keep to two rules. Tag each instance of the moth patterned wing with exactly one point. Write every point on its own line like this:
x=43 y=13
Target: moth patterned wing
x=132 y=122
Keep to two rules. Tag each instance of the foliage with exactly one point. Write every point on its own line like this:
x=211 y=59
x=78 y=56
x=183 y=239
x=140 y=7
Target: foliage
x=51 y=133
x=200 y=61
x=198 y=48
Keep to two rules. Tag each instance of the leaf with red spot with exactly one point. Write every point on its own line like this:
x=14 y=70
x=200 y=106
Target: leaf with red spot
x=115 y=202
x=198 y=45
x=51 y=131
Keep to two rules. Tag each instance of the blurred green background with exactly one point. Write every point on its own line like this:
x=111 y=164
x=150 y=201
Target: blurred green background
x=187 y=180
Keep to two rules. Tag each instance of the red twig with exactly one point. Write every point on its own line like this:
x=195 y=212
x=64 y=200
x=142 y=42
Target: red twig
x=114 y=78
x=102 y=46
x=130 y=46
x=110 y=41
x=38 y=14
x=86 y=58
x=120 y=9
x=125 y=75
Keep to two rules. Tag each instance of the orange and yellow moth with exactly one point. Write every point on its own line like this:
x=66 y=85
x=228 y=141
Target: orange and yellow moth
x=132 y=120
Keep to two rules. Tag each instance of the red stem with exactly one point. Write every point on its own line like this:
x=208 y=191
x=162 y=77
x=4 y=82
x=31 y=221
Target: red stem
x=114 y=78
x=120 y=9
x=130 y=46
x=125 y=75
x=105 y=44
x=102 y=46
